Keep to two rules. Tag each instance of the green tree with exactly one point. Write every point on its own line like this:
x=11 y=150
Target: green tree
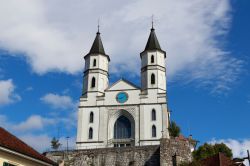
x=223 y=148
x=55 y=144
x=174 y=129
x=208 y=150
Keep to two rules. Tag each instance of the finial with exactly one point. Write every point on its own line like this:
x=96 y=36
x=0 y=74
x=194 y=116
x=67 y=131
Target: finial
x=98 y=26
x=152 y=22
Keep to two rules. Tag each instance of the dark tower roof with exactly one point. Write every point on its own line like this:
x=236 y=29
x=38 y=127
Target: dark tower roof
x=97 y=46
x=152 y=43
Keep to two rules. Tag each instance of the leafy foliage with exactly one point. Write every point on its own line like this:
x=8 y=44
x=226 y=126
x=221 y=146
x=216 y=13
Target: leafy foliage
x=208 y=150
x=55 y=144
x=174 y=129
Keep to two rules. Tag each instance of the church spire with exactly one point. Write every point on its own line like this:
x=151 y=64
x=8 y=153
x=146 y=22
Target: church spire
x=97 y=46
x=152 y=43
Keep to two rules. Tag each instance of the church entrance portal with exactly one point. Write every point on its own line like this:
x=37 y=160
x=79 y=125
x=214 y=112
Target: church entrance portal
x=123 y=135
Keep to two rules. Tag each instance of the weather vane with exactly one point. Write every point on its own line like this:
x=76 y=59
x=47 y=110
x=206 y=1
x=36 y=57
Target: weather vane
x=152 y=21
x=98 y=26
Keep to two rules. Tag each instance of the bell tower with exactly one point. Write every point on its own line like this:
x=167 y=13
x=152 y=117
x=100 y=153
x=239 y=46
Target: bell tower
x=153 y=71
x=95 y=79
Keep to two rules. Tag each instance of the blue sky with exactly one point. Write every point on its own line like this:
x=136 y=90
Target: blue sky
x=207 y=44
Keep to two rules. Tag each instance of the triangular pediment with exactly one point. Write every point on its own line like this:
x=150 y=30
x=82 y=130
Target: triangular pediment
x=122 y=84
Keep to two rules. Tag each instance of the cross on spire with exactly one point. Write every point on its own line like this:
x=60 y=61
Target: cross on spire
x=98 y=26
x=152 y=21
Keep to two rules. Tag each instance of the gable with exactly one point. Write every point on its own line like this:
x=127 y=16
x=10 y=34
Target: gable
x=122 y=85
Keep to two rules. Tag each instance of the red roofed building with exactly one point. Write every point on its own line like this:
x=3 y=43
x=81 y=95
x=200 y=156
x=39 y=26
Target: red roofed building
x=219 y=160
x=15 y=152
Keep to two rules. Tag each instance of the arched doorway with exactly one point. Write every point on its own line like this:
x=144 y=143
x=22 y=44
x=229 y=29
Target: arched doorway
x=122 y=128
x=123 y=131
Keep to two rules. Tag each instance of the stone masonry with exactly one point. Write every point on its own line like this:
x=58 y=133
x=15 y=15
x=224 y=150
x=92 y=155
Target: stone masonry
x=171 y=152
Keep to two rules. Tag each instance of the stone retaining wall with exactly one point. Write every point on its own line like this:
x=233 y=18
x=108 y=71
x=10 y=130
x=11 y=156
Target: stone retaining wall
x=173 y=152
x=170 y=153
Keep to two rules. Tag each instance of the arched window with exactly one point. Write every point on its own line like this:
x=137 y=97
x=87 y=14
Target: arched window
x=152 y=79
x=90 y=133
x=93 y=82
x=152 y=59
x=91 y=117
x=94 y=62
x=153 y=131
x=122 y=128
x=153 y=115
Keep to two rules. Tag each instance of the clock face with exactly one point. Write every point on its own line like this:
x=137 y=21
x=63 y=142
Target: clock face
x=122 y=97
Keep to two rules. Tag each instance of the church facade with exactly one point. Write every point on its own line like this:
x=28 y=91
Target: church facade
x=123 y=114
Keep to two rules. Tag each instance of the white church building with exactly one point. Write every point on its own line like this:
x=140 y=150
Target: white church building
x=123 y=114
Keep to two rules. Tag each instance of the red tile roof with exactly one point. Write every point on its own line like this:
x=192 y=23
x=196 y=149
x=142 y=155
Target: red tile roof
x=11 y=142
x=218 y=160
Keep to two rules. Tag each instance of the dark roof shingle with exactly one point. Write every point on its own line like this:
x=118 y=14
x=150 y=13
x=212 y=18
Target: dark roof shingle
x=97 y=46
x=152 y=43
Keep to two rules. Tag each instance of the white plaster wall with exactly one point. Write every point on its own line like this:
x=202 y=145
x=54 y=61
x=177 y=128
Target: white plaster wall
x=103 y=132
x=149 y=73
x=90 y=100
x=101 y=62
x=148 y=123
x=84 y=125
x=91 y=145
x=161 y=75
x=165 y=120
x=101 y=82
x=149 y=55
x=121 y=85
x=133 y=97
x=160 y=79
x=79 y=126
x=160 y=58
x=151 y=97
x=90 y=76
x=17 y=160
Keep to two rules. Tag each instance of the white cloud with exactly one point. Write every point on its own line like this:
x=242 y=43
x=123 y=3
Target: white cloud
x=57 y=101
x=32 y=130
x=239 y=147
x=30 y=88
x=54 y=37
x=3 y=120
x=34 y=122
x=45 y=142
x=7 y=94
x=38 y=142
